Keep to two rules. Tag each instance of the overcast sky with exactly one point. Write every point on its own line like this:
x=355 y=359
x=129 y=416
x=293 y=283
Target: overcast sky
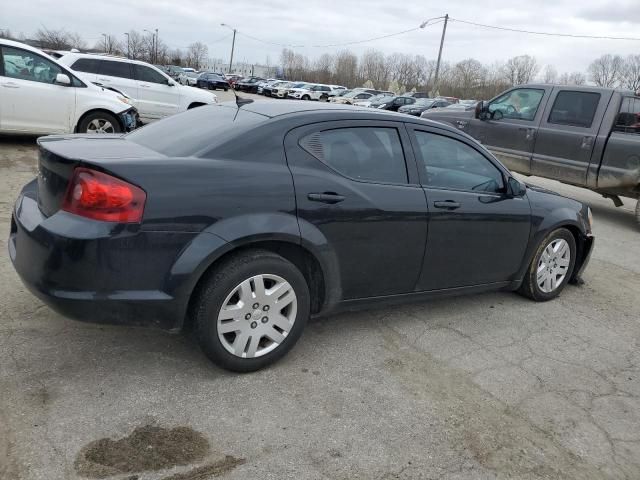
x=311 y=22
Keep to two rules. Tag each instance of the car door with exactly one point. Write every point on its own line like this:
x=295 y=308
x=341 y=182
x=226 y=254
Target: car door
x=477 y=233
x=159 y=96
x=567 y=134
x=509 y=129
x=119 y=75
x=355 y=188
x=31 y=100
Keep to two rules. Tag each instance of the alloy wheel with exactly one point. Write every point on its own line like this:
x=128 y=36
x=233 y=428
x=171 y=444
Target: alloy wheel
x=100 y=125
x=553 y=265
x=257 y=315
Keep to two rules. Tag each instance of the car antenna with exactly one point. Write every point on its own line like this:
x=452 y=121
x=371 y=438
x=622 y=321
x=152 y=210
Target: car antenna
x=239 y=100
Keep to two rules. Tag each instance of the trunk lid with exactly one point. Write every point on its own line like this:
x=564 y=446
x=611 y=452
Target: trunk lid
x=60 y=155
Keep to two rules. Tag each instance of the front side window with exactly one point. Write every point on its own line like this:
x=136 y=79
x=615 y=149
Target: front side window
x=453 y=165
x=574 y=108
x=363 y=153
x=114 y=69
x=25 y=65
x=628 y=120
x=520 y=104
x=146 y=74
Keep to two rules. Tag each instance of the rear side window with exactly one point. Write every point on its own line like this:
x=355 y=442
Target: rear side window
x=114 y=69
x=87 y=65
x=453 y=165
x=362 y=153
x=628 y=120
x=574 y=108
x=147 y=74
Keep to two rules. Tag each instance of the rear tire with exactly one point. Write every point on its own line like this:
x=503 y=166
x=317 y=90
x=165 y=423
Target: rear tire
x=306 y=97
x=99 y=122
x=260 y=328
x=551 y=266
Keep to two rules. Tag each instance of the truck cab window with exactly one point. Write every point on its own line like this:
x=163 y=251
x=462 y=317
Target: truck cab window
x=574 y=108
x=520 y=104
x=628 y=120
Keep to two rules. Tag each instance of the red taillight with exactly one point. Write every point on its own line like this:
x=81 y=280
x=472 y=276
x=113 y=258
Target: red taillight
x=99 y=196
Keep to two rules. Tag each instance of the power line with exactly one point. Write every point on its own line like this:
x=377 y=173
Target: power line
x=426 y=23
x=549 y=34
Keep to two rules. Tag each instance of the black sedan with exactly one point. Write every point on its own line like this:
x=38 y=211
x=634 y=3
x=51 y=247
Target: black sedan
x=243 y=221
x=212 y=81
x=393 y=103
x=249 y=85
x=422 y=105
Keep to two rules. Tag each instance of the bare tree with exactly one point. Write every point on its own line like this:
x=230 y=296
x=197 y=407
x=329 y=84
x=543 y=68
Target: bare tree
x=53 y=39
x=630 y=75
x=550 y=74
x=110 y=44
x=468 y=78
x=374 y=68
x=322 y=68
x=520 y=69
x=137 y=46
x=573 y=78
x=346 y=68
x=605 y=71
x=197 y=55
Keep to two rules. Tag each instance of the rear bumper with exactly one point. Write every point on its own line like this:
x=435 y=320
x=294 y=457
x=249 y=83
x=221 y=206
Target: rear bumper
x=97 y=272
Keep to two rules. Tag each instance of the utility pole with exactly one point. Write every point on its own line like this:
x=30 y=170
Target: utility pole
x=233 y=44
x=444 y=31
x=105 y=42
x=157 y=45
x=128 y=55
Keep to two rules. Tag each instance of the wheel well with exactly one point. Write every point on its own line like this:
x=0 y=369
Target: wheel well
x=195 y=104
x=85 y=114
x=580 y=241
x=299 y=256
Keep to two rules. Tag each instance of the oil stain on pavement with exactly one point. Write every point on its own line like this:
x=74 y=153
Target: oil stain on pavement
x=151 y=448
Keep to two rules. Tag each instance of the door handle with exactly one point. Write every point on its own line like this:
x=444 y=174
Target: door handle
x=144 y=85
x=447 y=204
x=587 y=142
x=10 y=85
x=326 y=197
x=104 y=79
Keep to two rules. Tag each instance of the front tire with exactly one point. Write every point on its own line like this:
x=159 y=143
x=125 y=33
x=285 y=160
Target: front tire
x=306 y=97
x=251 y=310
x=551 y=267
x=99 y=122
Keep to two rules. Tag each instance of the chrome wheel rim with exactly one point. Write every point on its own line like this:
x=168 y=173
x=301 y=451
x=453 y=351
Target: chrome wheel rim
x=100 y=125
x=553 y=265
x=257 y=315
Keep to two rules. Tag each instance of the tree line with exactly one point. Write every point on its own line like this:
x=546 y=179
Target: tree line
x=136 y=45
x=469 y=78
x=397 y=72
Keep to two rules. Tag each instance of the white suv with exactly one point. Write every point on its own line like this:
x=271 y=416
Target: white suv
x=154 y=93
x=312 y=92
x=40 y=96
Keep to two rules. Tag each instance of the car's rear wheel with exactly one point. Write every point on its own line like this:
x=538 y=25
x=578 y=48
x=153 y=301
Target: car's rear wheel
x=551 y=267
x=306 y=97
x=99 y=122
x=324 y=98
x=251 y=310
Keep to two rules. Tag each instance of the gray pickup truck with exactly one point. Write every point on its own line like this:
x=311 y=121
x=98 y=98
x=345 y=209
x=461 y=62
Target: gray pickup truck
x=584 y=136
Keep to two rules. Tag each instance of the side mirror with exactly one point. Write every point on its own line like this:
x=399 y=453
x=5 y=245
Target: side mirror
x=516 y=188
x=482 y=109
x=63 y=79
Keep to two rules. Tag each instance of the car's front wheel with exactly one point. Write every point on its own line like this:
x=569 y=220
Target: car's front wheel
x=251 y=310
x=99 y=122
x=551 y=267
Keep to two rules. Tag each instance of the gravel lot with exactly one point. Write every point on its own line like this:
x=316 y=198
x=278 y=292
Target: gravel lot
x=480 y=387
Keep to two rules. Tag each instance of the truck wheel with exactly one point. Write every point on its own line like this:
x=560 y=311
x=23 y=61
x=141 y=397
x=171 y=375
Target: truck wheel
x=251 y=310
x=551 y=267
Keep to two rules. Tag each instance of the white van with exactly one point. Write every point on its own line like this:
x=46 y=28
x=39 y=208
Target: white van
x=40 y=96
x=154 y=93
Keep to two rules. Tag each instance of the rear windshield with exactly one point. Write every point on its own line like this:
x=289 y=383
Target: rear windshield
x=196 y=130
